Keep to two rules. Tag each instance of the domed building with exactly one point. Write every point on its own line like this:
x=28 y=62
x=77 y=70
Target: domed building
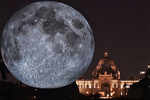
x=105 y=79
x=106 y=66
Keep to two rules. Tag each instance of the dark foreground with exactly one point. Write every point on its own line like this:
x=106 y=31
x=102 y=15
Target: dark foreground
x=9 y=91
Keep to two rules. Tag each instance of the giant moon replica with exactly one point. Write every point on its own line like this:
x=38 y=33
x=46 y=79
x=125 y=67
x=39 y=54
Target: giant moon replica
x=47 y=45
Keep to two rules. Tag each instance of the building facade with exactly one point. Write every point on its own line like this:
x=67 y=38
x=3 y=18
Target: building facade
x=105 y=80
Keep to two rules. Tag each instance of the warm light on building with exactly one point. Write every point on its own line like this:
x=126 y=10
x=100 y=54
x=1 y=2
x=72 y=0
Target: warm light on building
x=102 y=93
x=121 y=93
x=105 y=82
x=142 y=72
x=112 y=93
x=148 y=66
x=87 y=92
x=127 y=86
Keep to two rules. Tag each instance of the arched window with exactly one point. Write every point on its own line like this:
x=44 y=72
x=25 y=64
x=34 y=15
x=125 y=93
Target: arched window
x=87 y=86
x=115 y=86
x=96 y=85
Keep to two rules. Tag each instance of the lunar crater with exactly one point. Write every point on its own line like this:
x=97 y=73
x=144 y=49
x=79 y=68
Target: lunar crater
x=52 y=26
x=41 y=12
x=77 y=24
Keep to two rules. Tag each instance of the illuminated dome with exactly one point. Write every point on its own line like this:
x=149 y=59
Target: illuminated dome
x=107 y=66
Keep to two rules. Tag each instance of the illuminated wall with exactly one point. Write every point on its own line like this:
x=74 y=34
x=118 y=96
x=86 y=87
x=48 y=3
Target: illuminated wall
x=117 y=87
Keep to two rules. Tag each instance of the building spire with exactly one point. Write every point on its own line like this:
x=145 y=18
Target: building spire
x=106 y=52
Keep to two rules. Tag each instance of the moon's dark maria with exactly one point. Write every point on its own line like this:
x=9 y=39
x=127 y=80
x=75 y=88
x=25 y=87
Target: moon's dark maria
x=47 y=45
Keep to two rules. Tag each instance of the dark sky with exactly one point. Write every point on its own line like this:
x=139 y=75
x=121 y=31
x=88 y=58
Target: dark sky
x=121 y=25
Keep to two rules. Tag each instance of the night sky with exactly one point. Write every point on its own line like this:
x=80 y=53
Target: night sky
x=123 y=26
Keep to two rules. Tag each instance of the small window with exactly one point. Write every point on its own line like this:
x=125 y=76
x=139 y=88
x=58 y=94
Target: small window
x=87 y=86
x=115 y=86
